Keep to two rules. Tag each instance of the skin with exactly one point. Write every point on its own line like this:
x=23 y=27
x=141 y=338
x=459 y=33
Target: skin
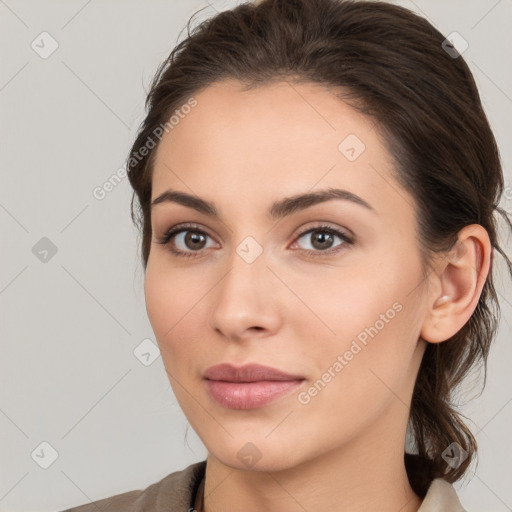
x=288 y=309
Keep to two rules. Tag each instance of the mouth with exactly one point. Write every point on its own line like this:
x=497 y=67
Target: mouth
x=250 y=386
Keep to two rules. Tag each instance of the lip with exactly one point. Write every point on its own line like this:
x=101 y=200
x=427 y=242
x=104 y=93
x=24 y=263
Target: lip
x=248 y=387
x=247 y=373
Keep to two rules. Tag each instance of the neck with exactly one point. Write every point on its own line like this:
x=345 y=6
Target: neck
x=368 y=474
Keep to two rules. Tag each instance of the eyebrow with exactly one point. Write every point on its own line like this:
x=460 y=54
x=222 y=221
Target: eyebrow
x=278 y=210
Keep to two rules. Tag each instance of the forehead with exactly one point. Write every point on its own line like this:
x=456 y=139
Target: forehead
x=273 y=140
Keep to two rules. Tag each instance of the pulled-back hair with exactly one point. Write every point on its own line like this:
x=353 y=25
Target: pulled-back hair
x=390 y=64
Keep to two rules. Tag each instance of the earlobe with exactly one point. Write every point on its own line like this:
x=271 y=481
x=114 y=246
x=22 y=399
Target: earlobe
x=460 y=276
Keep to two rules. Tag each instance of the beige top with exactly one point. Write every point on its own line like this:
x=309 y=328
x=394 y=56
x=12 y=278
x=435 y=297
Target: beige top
x=176 y=493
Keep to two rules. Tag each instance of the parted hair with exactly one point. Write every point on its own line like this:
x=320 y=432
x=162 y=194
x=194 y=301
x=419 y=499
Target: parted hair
x=389 y=64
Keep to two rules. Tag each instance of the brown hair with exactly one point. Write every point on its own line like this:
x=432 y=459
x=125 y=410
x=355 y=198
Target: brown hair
x=390 y=64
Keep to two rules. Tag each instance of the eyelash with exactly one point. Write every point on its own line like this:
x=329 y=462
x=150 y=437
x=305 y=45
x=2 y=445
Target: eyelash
x=166 y=238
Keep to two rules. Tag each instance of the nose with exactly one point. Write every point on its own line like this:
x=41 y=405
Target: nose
x=246 y=302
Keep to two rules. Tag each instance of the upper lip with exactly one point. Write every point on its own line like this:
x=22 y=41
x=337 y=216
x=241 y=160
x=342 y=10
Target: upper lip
x=247 y=373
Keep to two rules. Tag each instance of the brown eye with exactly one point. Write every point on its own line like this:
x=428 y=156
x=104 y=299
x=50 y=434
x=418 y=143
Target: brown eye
x=194 y=240
x=321 y=241
x=185 y=241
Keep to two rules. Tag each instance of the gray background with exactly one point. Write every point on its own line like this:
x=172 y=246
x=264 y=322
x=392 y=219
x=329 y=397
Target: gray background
x=70 y=324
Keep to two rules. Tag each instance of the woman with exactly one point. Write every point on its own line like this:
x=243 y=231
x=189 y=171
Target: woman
x=316 y=186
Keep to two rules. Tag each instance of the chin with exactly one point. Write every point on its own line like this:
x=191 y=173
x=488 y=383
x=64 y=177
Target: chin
x=276 y=462
x=255 y=453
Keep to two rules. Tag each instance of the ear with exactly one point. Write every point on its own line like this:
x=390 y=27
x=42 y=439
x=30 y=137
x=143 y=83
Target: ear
x=456 y=284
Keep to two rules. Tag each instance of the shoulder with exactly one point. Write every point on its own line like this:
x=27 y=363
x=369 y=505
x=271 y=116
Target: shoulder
x=174 y=492
x=441 y=497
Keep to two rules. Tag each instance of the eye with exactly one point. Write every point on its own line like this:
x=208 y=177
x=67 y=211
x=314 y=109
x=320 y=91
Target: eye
x=189 y=240
x=320 y=240
x=185 y=240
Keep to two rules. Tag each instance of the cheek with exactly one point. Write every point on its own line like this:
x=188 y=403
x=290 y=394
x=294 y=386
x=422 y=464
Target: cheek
x=367 y=316
x=338 y=304
x=176 y=305
x=170 y=294
x=363 y=371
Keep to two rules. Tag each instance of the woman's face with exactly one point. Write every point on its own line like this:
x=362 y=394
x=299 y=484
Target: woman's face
x=264 y=280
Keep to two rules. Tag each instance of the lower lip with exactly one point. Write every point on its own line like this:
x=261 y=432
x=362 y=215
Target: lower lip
x=249 y=395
